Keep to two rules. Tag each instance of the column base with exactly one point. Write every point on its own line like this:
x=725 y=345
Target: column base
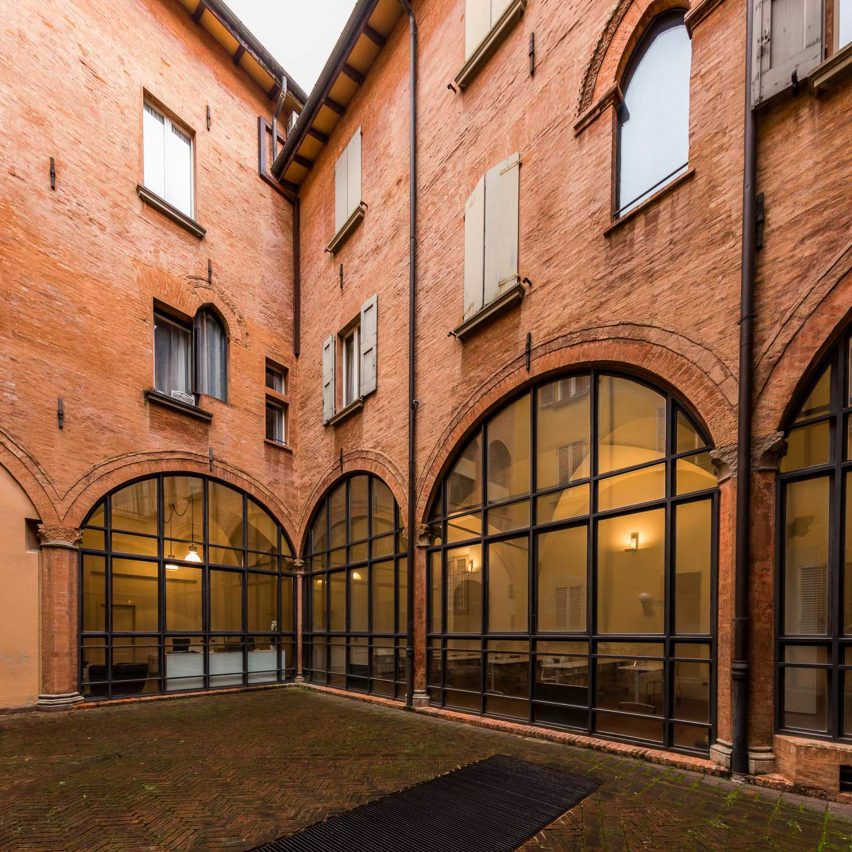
x=420 y=698
x=761 y=761
x=720 y=754
x=299 y=679
x=64 y=701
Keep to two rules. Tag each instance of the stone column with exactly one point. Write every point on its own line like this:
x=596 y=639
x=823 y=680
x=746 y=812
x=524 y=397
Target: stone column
x=299 y=565
x=58 y=585
x=421 y=697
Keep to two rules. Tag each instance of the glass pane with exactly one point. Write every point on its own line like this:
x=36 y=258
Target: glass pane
x=807 y=446
x=847 y=559
x=93 y=668
x=463 y=527
x=383 y=597
x=318 y=604
x=402 y=621
x=261 y=529
x=806 y=654
x=847 y=703
x=687 y=436
x=631 y=423
x=508 y=585
x=337 y=599
x=628 y=489
x=154 y=145
x=94 y=593
x=695 y=473
x=226 y=600
x=183 y=598
x=226 y=660
x=654 y=116
x=138 y=544
x=383 y=508
x=818 y=401
x=319 y=537
x=693 y=534
x=358 y=508
x=358 y=599
x=805 y=698
x=184 y=663
x=287 y=623
x=561 y=505
x=98 y=516
x=435 y=574
x=179 y=169
x=692 y=692
x=464 y=483
x=134 y=508
x=223 y=556
x=359 y=552
x=135 y=665
x=464 y=590
x=806 y=557
x=464 y=667
x=262 y=656
x=337 y=513
x=135 y=596
x=383 y=546
x=563 y=425
x=337 y=558
x=509 y=451
x=510 y=516
x=562 y=567
x=561 y=677
x=691 y=736
x=507 y=674
x=262 y=602
x=183 y=499
x=630 y=565
x=630 y=684
x=225 y=519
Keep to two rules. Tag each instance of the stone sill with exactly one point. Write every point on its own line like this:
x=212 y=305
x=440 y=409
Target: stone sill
x=675 y=182
x=170 y=212
x=279 y=445
x=476 y=61
x=513 y=296
x=347 y=229
x=831 y=72
x=346 y=413
x=157 y=398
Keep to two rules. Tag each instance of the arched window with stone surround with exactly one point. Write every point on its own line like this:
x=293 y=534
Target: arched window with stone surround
x=653 y=117
x=815 y=559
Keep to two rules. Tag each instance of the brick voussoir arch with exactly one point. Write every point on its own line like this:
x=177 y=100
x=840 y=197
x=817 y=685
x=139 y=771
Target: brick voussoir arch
x=117 y=471
x=33 y=480
x=355 y=461
x=690 y=371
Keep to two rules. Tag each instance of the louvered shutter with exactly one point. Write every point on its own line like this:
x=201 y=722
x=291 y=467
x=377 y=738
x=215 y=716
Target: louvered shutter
x=341 y=187
x=353 y=166
x=369 y=344
x=328 y=378
x=788 y=37
x=501 y=228
x=474 y=236
x=477 y=23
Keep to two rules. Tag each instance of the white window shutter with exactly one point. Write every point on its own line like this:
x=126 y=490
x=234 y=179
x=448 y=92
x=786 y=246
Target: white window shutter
x=154 y=150
x=341 y=187
x=354 y=173
x=369 y=344
x=474 y=246
x=501 y=227
x=788 y=38
x=328 y=378
x=477 y=23
x=497 y=9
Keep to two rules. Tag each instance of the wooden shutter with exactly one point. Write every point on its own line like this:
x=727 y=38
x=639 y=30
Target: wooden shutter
x=477 y=24
x=497 y=9
x=341 y=187
x=474 y=236
x=501 y=228
x=369 y=342
x=328 y=378
x=788 y=38
x=354 y=173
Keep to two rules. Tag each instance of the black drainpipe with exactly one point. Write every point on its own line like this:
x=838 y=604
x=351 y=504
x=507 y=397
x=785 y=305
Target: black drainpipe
x=412 y=398
x=740 y=667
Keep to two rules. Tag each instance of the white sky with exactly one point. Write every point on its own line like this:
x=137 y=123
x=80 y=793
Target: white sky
x=298 y=33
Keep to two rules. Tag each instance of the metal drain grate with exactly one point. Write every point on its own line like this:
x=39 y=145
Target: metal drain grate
x=489 y=806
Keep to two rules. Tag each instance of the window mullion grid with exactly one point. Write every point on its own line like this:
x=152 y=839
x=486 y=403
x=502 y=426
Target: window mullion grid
x=108 y=597
x=161 y=583
x=591 y=550
x=206 y=619
x=532 y=558
x=669 y=579
x=835 y=527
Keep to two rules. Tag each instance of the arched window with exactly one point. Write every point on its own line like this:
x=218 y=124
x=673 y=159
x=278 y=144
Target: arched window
x=211 y=354
x=653 y=118
x=572 y=565
x=815 y=524
x=356 y=632
x=185 y=583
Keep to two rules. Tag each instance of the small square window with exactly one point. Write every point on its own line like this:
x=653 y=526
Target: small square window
x=276 y=422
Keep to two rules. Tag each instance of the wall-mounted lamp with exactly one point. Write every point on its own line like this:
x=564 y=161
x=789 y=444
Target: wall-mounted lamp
x=634 y=543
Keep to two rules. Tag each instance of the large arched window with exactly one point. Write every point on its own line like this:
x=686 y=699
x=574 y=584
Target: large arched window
x=571 y=571
x=185 y=583
x=653 y=118
x=356 y=636
x=211 y=354
x=815 y=536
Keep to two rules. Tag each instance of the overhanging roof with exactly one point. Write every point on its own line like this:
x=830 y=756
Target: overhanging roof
x=361 y=41
x=246 y=51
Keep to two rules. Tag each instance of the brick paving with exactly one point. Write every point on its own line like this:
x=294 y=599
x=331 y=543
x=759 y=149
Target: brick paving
x=231 y=771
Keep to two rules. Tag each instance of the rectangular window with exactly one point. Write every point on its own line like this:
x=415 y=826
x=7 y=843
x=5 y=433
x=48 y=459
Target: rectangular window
x=276 y=422
x=347 y=181
x=350 y=366
x=843 y=23
x=276 y=402
x=276 y=378
x=173 y=358
x=168 y=160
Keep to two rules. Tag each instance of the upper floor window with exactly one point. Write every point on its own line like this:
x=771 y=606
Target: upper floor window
x=348 y=209
x=486 y=24
x=350 y=358
x=842 y=23
x=653 y=118
x=211 y=354
x=168 y=160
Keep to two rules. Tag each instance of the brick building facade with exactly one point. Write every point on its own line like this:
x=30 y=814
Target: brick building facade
x=576 y=577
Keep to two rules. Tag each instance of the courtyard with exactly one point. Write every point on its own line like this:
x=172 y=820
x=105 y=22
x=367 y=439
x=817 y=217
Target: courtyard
x=236 y=770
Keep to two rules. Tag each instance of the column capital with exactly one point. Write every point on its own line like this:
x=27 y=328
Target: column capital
x=55 y=535
x=299 y=566
x=767 y=450
x=724 y=461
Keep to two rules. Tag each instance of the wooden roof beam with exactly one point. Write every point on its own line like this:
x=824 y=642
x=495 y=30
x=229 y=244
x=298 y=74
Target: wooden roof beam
x=333 y=105
x=304 y=162
x=353 y=73
x=238 y=54
x=200 y=9
x=375 y=36
x=318 y=135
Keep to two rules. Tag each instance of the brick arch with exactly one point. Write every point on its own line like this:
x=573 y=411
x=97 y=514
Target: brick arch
x=111 y=474
x=32 y=478
x=356 y=461
x=791 y=355
x=627 y=23
x=688 y=370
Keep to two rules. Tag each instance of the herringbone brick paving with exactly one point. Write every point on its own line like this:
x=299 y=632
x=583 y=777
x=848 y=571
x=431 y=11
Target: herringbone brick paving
x=231 y=771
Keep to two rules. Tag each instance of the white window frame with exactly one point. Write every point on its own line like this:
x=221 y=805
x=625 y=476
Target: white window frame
x=280 y=436
x=350 y=353
x=169 y=126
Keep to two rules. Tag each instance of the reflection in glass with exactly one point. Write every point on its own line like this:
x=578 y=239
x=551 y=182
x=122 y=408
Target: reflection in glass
x=509 y=451
x=631 y=424
x=561 y=592
x=464 y=483
x=563 y=425
x=508 y=585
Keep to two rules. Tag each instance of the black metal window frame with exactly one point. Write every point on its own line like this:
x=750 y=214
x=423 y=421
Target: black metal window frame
x=104 y=640
x=839 y=418
x=437 y=642
x=318 y=644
